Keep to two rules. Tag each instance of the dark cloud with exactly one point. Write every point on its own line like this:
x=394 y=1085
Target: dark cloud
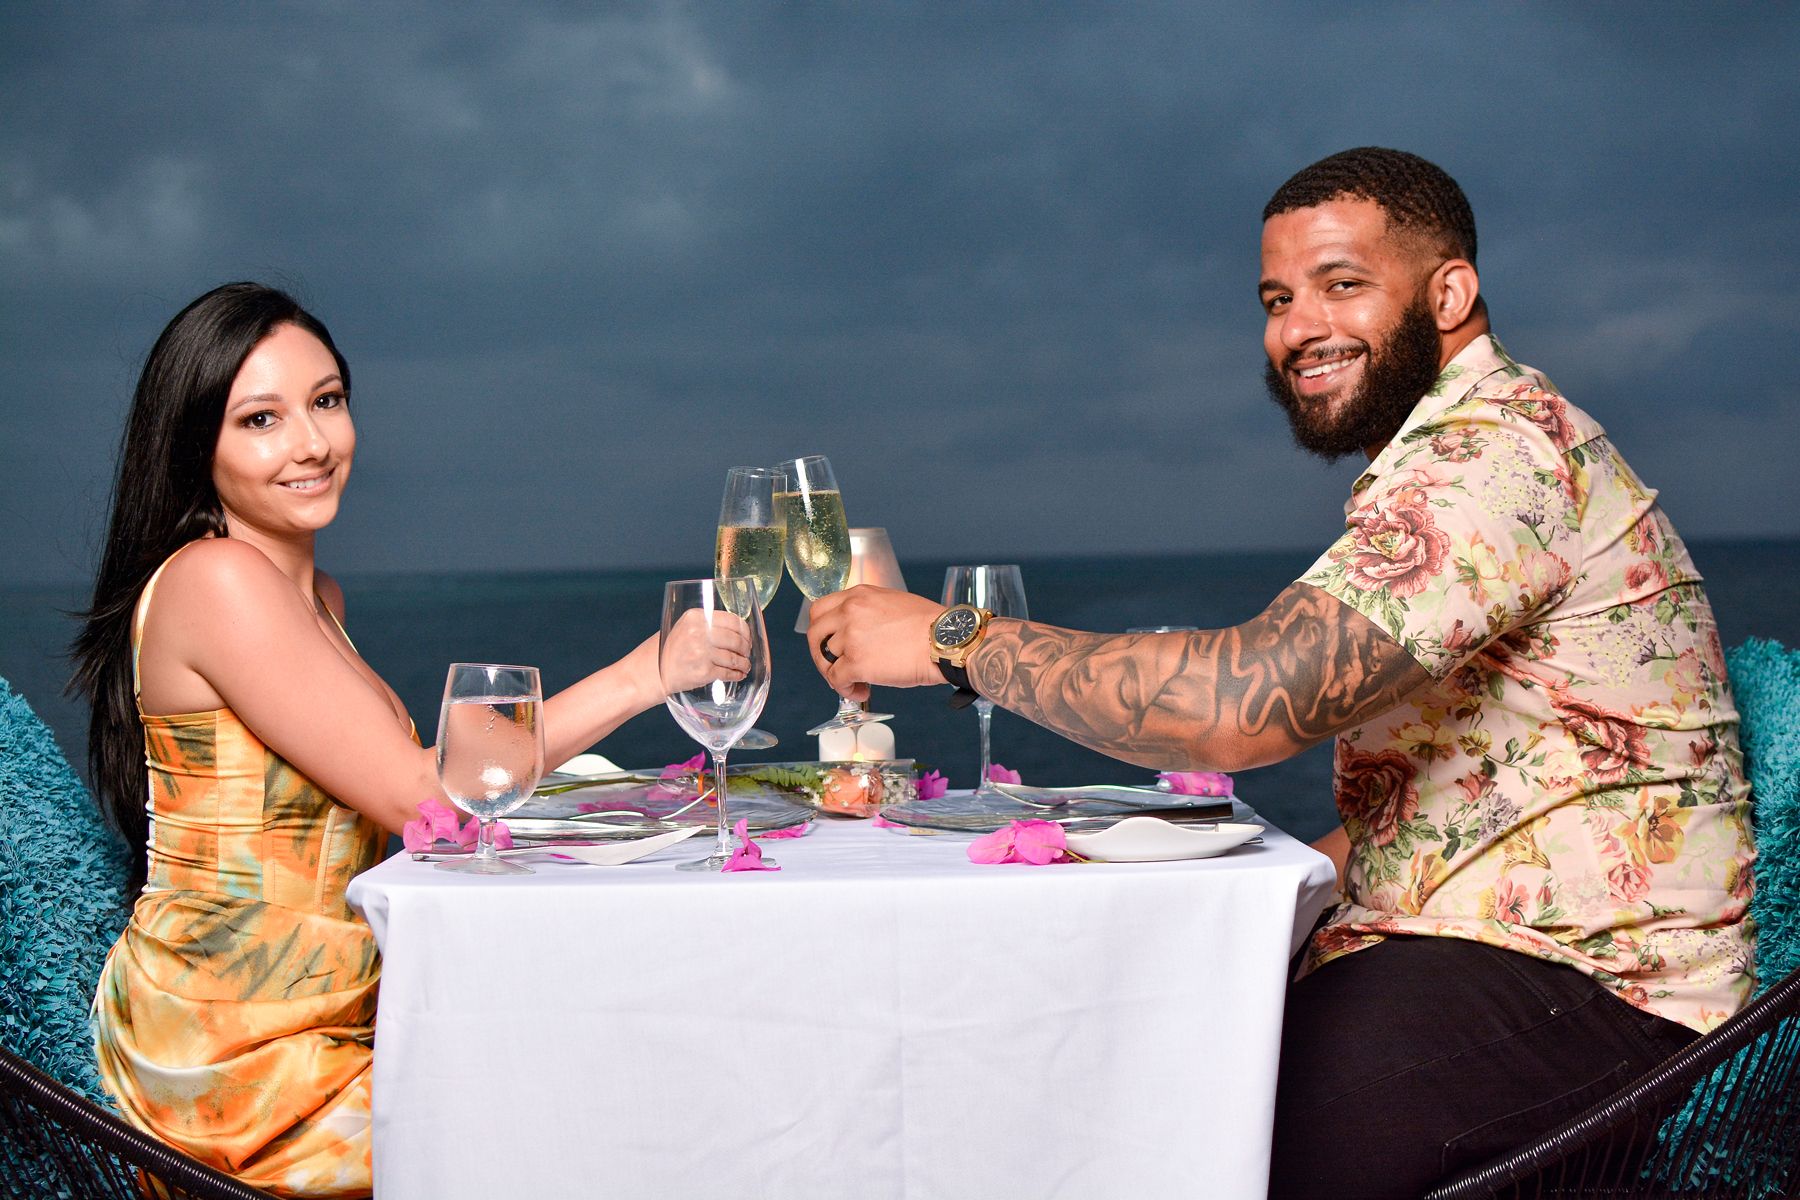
x=997 y=260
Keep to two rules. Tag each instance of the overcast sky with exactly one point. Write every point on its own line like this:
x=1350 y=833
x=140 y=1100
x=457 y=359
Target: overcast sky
x=999 y=261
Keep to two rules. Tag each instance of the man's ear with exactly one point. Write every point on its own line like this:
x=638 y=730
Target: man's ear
x=1453 y=290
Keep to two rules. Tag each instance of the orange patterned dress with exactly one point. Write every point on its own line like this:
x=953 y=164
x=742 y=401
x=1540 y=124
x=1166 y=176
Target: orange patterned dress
x=235 y=1015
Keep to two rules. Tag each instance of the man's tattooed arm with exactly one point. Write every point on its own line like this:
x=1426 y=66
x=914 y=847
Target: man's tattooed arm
x=1223 y=699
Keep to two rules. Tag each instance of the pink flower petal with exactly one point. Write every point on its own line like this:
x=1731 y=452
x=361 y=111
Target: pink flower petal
x=995 y=847
x=1033 y=842
x=881 y=822
x=999 y=774
x=417 y=835
x=436 y=822
x=1038 y=842
x=792 y=831
x=932 y=785
x=1197 y=783
x=696 y=763
x=440 y=818
x=748 y=856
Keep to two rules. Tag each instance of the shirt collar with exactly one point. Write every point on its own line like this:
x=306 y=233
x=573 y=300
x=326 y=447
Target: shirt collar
x=1473 y=363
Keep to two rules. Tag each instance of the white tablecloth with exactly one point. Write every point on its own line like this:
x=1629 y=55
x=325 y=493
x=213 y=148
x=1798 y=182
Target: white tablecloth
x=880 y=1018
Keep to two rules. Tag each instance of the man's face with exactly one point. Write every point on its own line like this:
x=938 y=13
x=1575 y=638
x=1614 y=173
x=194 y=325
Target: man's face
x=1351 y=341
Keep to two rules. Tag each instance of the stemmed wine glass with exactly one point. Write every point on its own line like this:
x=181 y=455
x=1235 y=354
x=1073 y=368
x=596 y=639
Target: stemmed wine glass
x=490 y=751
x=818 y=553
x=714 y=711
x=751 y=542
x=1001 y=591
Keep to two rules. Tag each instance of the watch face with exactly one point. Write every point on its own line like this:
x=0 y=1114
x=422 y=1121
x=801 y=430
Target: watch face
x=956 y=626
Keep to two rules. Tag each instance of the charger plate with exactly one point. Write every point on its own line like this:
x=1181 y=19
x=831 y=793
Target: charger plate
x=969 y=813
x=632 y=803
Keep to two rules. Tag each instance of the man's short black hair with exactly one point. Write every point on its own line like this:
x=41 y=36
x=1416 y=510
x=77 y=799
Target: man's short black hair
x=1417 y=196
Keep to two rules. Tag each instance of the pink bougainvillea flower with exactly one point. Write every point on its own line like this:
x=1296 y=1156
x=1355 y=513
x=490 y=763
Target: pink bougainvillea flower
x=437 y=821
x=748 y=856
x=1197 y=783
x=1039 y=842
x=1034 y=842
x=881 y=822
x=999 y=774
x=792 y=831
x=932 y=785
x=696 y=763
x=674 y=780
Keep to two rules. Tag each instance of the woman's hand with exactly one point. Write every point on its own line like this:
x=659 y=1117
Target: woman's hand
x=697 y=652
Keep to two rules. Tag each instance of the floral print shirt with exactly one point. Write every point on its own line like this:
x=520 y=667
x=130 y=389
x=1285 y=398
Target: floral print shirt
x=1569 y=783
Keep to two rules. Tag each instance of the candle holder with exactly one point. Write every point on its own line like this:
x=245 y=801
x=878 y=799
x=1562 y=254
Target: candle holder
x=861 y=789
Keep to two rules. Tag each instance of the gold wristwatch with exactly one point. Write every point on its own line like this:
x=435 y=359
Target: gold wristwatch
x=954 y=636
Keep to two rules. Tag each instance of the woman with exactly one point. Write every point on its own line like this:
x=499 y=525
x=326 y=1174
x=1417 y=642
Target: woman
x=238 y=733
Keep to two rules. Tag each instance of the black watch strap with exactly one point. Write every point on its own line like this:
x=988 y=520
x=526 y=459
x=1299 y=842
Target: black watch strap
x=958 y=677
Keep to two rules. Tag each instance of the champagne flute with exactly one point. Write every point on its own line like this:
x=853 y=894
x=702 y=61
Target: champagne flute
x=714 y=711
x=818 y=553
x=1001 y=591
x=752 y=540
x=490 y=751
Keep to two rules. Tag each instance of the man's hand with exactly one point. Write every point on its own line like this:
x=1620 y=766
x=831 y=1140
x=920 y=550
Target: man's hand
x=870 y=634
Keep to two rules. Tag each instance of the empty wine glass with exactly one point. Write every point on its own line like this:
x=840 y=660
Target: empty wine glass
x=818 y=553
x=714 y=709
x=751 y=544
x=1001 y=591
x=490 y=751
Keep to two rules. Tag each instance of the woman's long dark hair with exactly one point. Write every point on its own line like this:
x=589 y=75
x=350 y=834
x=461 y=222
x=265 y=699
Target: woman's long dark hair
x=163 y=498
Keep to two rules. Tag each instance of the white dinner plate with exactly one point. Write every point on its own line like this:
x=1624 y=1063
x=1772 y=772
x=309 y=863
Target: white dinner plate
x=1151 y=839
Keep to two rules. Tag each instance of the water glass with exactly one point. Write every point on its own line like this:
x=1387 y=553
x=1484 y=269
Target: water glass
x=707 y=624
x=490 y=751
x=1001 y=590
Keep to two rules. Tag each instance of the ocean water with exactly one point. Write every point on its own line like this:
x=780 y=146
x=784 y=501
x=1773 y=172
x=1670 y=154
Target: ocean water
x=409 y=627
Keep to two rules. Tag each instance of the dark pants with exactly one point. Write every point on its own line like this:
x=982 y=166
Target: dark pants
x=1424 y=1055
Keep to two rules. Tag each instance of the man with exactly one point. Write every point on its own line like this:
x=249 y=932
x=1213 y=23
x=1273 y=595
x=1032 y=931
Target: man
x=1545 y=850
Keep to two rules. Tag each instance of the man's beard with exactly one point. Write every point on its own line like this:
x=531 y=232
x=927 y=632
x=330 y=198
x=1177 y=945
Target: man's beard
x=1395 y=376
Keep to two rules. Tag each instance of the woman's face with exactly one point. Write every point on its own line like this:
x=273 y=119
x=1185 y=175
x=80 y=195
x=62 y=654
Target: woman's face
x=285 y=446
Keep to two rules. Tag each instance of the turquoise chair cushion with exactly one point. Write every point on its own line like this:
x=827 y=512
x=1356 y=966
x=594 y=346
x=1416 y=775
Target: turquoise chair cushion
x=1765 y=679
x=62 y=900
x=1765 y=676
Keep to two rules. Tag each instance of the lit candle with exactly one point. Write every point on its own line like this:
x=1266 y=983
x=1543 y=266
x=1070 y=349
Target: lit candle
x=837 y=745
x=874 y=742
x=865 y=743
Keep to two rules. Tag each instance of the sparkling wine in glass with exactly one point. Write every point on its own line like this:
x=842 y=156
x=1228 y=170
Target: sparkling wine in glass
x=818 y=553
x=490 y=751
x=752 y=532
x=751 y=545
x=1001 y=591
x=704 y=622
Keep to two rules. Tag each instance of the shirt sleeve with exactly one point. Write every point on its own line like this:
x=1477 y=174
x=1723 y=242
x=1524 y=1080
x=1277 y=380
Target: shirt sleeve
x=1471 y=533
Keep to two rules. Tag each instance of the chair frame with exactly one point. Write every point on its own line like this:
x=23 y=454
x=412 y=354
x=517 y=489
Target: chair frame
x=94 y=1152
x=1613 y=1148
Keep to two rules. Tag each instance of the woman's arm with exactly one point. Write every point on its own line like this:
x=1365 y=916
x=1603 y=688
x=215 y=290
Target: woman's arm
x=227 y=628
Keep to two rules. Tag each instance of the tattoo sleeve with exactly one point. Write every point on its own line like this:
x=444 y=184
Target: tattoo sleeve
x=1227 y=699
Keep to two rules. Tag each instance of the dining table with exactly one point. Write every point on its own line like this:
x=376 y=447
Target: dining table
x=880 y=1017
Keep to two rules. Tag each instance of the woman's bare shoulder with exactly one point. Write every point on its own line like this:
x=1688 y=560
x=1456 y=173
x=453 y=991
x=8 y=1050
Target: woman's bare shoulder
x=214 y=571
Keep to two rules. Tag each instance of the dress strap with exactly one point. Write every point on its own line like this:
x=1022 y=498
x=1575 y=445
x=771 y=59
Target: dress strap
x=143 y=611
x=340 y=625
